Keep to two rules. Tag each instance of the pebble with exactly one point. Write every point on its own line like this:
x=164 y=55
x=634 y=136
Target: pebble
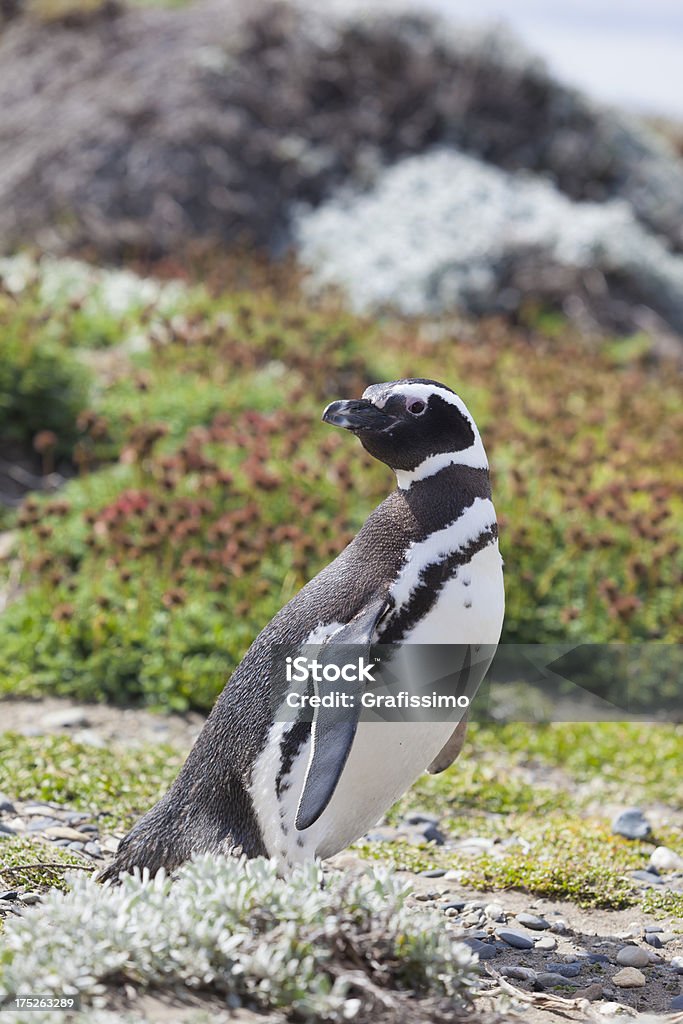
x=559 y=927
x=653 y=939
x=538 y=924
x=546 y=943
x=566 y=970
x=41 y=824
x=30 y=898
x=629 y=977
x=667 y=937
x=484 y=950
x=93 y=849
x=88 y=828
x=433 y=873
x=64 y=832
x=647 y=876
x=77 y=847
x=9 y=894
x=6 y=831
x=549 y=979
x=515 y=939
x=632 y=824
x=597 y=958
x=420 y=818
x=494 y=912
x=664 y=859
x=677 y=1003
x=6 y=804
x=472 y=920
x=453 y=905
x=432 y=835
x=518 y=973
x=677 y=964
x=591 y=992
x=633 y=956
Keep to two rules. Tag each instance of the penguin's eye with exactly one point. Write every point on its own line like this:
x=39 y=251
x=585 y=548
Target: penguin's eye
x=415 y=407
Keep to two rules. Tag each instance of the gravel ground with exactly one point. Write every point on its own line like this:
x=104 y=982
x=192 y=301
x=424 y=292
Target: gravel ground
x=541 y=959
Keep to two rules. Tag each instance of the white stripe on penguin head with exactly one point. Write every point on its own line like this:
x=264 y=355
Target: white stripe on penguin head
x=473 y=456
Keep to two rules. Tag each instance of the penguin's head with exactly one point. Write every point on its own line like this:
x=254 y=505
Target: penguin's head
x=415 y=426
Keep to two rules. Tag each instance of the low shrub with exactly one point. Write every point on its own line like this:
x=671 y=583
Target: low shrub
x=43 y=389
x=350 y=949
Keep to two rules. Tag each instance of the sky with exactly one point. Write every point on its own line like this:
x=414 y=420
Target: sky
x=628 y=52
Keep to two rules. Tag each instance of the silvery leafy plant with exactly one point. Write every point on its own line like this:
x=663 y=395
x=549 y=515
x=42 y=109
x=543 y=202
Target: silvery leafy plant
x=235 y=928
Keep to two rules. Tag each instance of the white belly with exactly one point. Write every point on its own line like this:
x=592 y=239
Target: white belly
x=386 y=757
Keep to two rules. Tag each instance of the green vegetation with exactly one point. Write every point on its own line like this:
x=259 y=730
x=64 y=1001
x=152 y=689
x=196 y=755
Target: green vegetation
x=43 y=389
x=209 y=491
x=552 y=838
x=116 y=785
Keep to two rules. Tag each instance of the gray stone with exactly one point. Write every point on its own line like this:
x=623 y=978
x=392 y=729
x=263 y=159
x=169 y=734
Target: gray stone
x=515 y=939
x=647 y=876
x=560 y=927
x=420 y=818
x=677 y=1002
x=591 y=992
x=653 y=939
x=29 y=898
x=667 y=937
x=570 y=970
x=77 y=847
x=484 y=950
x=677 y=964
x=550 y=979
x=633 y=956
x=664 y=859
x=6 y=804
x=494 y=912
x=93 y=849
x=433 y=873
x=6 y=831
x=455 y=905
x=39 y=824
x=629 y=977
x=632 y=824
x=653 y=928
x=546 y=943
x=9 y=894
x=597 y=958
x=537 y=924
x=518 y=973
x=432 y=835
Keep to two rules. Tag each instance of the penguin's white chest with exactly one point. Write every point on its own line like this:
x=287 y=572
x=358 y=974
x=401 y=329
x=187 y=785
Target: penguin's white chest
x=386 y=757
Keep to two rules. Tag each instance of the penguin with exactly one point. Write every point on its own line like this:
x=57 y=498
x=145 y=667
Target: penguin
x=424 y=569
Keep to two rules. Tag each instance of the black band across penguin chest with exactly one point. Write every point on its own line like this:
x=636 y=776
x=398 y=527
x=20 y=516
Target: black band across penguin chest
x=436 y=503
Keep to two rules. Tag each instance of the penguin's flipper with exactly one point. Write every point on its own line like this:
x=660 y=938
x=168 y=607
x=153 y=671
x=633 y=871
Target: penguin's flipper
x=448 y=754
x=333 y=729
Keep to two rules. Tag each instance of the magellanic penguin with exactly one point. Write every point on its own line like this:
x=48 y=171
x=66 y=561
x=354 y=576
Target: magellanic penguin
x=424 y=569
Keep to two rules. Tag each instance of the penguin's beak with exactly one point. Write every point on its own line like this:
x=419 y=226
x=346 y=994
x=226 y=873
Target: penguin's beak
x=357 y=414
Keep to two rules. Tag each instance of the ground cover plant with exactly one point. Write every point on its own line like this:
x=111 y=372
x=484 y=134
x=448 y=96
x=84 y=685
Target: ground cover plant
x=349 y=949
x=208 y=491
